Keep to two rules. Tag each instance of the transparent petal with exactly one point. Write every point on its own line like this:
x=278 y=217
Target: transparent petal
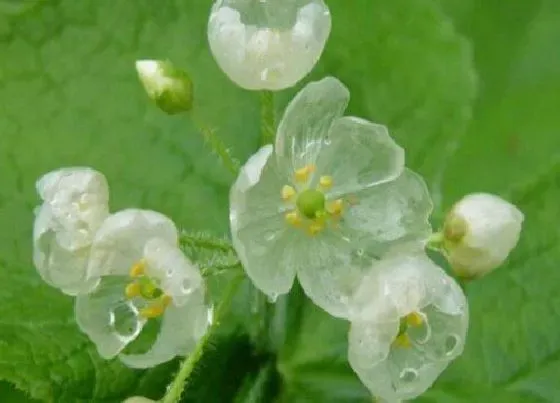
x=268 y=45
x=177 y=276
x=107 y=317
x=307 y=121
x=259 y=232
x=395 y=286
x=78 y=199
x=119 y=242
x=370 y=343
x=330 y=267
x=401 y=284
x=391 y=213
x=181 y=328
x=359 y=154
x=58 y=266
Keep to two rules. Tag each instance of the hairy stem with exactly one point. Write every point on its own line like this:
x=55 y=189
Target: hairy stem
x=268 y=123
x=218 y=146
x=176 y=388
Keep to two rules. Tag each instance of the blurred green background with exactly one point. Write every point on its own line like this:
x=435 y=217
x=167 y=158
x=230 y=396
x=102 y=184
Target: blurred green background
x=470 y=88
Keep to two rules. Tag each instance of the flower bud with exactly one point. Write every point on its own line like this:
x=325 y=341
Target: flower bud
x=268 y=45
x=169 y=87
x=479 y=232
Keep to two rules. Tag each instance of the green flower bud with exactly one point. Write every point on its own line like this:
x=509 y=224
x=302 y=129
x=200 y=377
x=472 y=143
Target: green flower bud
x=169 y=87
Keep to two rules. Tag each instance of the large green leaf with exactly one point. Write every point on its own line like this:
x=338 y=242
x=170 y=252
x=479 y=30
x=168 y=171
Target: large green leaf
x=69 y=96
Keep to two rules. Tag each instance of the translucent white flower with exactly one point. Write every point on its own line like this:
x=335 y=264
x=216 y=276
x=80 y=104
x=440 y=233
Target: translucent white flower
x=479 y=233
x=331 y=196
x=169 y=87
x=268 y=44
x=144 y=276
x=412 y=323
x=75 y=203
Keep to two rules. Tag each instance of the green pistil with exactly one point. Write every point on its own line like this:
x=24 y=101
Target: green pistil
x=311 y=203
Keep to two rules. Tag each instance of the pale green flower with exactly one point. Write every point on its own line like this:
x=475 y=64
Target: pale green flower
x=411 y=322
x=479 y=233
x=75 y=203
x=332 y=195
x=143 y=276
x=268 y=44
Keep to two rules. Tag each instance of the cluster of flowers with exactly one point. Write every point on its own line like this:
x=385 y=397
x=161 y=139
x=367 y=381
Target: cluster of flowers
x=330 y=202
x=124 y=269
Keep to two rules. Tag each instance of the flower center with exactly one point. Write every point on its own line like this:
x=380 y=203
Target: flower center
x=411 y=320
x=311 y=203
x=144 y=287
x=312 y=211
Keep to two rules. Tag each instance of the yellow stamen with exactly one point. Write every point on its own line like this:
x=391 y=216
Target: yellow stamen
x=402 y=340
x=152 y=311
x=302 y=175
x=138 y=269
x=293 y=218
x=132 y=290
x=166 y=300
x=414 y=319
x=335 y=207
x=326 y=182
x=315 y=227
x=288 y=193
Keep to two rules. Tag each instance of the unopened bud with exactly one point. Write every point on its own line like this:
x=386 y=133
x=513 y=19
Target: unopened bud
x=479 y=233
x=169 y=87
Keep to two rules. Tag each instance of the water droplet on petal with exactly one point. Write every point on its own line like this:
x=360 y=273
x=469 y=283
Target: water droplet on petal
x=272 y=298
x=360 y=252
x=408 y=375
x=124 y=321
x=451 y=343
x=187 y=286
x=169 y=273
x=269 y=236
x=328 y=141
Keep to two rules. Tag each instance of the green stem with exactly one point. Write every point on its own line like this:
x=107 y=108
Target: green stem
x=176 y=388
x=218 y=146
x=268 y=124
x=206 y=242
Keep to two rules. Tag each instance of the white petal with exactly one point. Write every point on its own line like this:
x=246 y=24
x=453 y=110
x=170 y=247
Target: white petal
x=307 y=120
x=359 y=154
x=391 y=213
x=268 y=45
x=78 y=199
x=176 y=275
x=492 y=226
x=110 y=321
x=396 y=287
x=389 y=373
x=260 y=235
x=330 y=267
x=119 y=242
x=58 y=266
x=181 y=328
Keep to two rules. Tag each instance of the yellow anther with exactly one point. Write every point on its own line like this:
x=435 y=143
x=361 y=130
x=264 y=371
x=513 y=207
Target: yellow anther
x=326 y=182
x=288 y=192
x=302 y=175
x=293 y=218
x=138 y=269
x=166 y=300
x=335 y=207
x=402 y=340
x=414 y=319
x=152 y=311
x=132 y=290
x=315 y=227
